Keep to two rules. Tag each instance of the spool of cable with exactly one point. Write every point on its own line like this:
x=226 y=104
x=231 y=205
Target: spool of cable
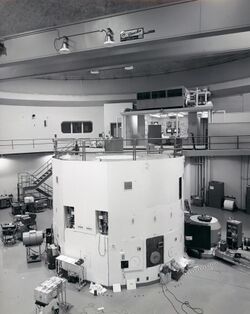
x=229 y=204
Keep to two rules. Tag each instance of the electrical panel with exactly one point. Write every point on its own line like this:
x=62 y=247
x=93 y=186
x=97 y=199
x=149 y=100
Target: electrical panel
x=234 y=234
x=215 y=194
x=102 y=222
x=69 y=212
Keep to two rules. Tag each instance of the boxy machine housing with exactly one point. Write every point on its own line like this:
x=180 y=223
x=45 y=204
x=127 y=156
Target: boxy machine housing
x=123 y=217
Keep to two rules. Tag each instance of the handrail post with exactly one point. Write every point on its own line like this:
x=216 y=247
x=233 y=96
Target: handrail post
x=209 y=142
x=83 y=151
x=134 y=149
x=237 y=141
x=174 y=147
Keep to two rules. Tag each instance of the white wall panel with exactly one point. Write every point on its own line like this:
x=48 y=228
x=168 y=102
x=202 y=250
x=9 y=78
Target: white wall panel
x=151 y=208
x=16 y=122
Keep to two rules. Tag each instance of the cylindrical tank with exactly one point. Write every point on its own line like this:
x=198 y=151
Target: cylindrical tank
x=214 y=225
x=128 y=214
x=32 y=238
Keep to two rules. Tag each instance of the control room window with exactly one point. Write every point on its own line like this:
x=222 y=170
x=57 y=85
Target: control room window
x=77 y=127
x=66 y=127
x=87 y=127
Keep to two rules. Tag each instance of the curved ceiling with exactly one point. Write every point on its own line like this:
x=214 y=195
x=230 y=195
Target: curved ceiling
x=158 y=67
x=27 y=15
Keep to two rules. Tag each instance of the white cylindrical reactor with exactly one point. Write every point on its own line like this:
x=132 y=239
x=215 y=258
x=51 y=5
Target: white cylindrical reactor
x=123 y=217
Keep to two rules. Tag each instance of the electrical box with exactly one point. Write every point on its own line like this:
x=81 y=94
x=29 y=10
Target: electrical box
x=102 y=222
x=215 y=194
x=234 y=234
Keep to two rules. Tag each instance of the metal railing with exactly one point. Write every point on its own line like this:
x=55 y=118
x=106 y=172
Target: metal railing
x=82 y=148
x=65 y=144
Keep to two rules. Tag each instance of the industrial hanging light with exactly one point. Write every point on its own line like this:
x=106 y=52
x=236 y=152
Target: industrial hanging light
x=109 y=36
x=65 y=46
x=2 y=49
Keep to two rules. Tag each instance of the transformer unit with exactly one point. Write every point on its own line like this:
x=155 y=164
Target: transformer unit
x=179 y=97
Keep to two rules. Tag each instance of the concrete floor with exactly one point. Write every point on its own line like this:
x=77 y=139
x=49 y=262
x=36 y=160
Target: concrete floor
x=215 y=287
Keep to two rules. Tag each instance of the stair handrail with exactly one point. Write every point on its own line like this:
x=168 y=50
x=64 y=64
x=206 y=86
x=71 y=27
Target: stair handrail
x=47 y=165
x=33 y=179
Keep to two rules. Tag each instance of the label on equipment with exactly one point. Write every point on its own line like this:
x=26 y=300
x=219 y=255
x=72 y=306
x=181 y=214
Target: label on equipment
x=131 y=34
x=189 y=238
x=211 y=187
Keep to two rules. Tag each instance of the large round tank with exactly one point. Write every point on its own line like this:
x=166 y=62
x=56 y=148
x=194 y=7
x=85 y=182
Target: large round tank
x=123 y=217
x=32 y=238
x=215 y=233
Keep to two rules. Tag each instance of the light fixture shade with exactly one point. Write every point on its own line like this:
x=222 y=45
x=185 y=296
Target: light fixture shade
x=109 y=37
x=65 y=46
x=2 y=49
x=108 y=41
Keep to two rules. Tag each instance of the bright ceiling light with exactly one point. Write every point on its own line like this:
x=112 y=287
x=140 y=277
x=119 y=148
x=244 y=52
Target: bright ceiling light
x=94 y=71
x=65 y=46
x=129 y=68
x=109 y=36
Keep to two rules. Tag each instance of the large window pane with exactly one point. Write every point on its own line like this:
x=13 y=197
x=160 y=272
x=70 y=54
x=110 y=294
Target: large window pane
x=87 y=127
x=77 y=127
x=66 y=127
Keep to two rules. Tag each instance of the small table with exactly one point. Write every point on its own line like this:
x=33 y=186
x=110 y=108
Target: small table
x=72 y=266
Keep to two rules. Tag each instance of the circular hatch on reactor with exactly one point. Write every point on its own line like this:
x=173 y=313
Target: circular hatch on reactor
x=155 y=257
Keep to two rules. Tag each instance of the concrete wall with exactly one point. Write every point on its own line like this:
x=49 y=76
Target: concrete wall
x=16 y=122
x=235 y=103
x=231 y=117
x=229 y=171
x=112 y=114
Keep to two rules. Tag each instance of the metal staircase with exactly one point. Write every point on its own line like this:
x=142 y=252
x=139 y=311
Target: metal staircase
x=35 y=183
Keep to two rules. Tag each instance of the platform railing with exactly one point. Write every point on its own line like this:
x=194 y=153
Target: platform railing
x=82 y=148
x=234 y=142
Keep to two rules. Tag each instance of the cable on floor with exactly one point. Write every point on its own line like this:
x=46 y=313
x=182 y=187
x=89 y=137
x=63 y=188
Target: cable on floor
x=196 y=310
x=164 y=293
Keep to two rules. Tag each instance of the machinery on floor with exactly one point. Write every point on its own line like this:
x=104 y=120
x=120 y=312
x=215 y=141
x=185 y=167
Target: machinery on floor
x=124 y=222
x=48 y=291
x=202 y=234
x=13 y=231
x=33 y=240
x=5 y=200
x=9 y=233
x=72 y=269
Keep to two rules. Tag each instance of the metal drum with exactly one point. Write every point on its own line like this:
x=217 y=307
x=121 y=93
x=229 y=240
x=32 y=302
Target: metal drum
x=32 y=238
